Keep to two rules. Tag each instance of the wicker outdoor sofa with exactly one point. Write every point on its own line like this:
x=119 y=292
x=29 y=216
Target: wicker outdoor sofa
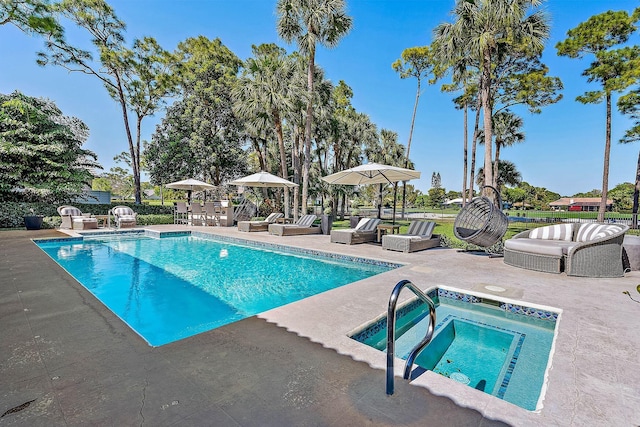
x=585 y=249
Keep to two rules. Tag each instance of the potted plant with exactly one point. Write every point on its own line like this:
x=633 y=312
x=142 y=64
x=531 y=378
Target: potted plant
x=354 y=217
x=33 y=221
x=326 y=220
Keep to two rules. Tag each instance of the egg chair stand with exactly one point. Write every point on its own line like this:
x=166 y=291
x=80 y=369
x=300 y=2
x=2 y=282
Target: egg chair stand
x=482 y=223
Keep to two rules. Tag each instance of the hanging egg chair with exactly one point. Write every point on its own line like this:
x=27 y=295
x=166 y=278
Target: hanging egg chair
x=480 y=222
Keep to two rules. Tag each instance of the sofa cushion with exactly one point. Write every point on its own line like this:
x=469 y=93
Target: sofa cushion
x=70 y=210
x=552 y=232
x=122 y=211
x=555 y=248
x=593 y=231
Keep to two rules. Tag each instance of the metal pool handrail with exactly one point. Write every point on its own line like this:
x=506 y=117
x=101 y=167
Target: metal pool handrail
x=391 y=331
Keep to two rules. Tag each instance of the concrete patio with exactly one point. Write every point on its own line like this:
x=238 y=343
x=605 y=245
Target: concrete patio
x=65 y=359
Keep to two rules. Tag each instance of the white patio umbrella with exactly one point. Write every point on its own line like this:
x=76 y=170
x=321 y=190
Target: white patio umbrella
x=190 y=185
x=263 y=179
x=372 y=173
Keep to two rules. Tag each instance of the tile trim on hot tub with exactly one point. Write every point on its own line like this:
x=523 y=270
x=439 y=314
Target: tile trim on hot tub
x=371 y=329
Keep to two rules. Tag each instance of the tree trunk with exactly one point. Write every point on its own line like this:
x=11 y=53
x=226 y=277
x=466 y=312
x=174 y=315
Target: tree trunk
x=496 y=162
x=486 y=113
x=474 y=145
x=295 y=160
x=256 y=146
x=634 y=216
x=307 y=129
x=134 y=166
x=404 y=198
x=283 y=159
x=406 y=161
x=135 y=162
x=465 y=153
x=605 y=171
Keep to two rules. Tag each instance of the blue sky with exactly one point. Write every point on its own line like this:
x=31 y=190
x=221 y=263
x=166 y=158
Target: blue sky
x=564 y=145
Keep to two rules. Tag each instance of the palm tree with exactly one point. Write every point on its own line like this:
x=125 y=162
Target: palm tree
x=296 y=117
x=611 y=67
x=507 y=130
x=488 y=30
x=415 y=62
x=308 y=22
x=508 y=174
x=386 y=151
x=465 y=78
x=264 y=93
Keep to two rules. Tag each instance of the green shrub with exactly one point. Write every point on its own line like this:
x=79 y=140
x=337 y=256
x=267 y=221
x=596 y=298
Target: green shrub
x=12 y=213
x=154 y=219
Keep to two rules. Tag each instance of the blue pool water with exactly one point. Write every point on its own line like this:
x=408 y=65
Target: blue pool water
x=170 y=288
x=500 y=349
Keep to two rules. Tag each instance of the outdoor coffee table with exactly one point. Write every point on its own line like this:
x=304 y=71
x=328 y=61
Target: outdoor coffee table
x=105 y=219
x=387 y=228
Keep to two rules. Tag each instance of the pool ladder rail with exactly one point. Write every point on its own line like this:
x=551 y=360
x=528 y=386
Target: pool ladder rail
x=391 y=331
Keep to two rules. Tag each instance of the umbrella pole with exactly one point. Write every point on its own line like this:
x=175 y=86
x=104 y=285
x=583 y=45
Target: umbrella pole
x=395 y=188
x=380 y=201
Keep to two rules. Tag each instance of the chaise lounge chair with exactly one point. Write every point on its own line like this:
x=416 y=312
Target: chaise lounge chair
x=364 y=231
x=73 y=218
x=124 y=216
x=303 y=226
x=259 y=225
x=419 y=236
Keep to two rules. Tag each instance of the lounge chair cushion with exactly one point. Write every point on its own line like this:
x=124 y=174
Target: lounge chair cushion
x=273 y=216
x=259 y=225
x=305 y=221
x=423 y=229
x=553 y=232
x=556 y=248
x=367 y=224
x=589 y=232
x=364 y=231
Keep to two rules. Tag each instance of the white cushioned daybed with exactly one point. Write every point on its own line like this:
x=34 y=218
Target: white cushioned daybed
x=580 y=249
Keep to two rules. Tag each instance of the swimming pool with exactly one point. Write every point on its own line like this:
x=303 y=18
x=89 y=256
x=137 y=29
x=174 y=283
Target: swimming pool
x=501 y=348
x=169 y=288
